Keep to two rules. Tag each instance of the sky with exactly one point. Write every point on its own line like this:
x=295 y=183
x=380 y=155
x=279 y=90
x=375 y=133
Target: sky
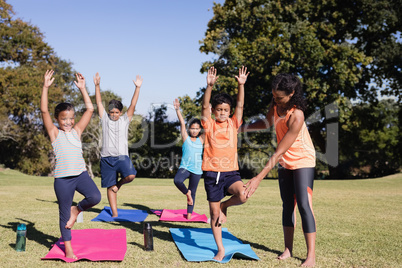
x=157 y=39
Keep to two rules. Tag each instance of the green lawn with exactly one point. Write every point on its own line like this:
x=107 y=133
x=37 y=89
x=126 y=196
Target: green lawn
x=358 y=223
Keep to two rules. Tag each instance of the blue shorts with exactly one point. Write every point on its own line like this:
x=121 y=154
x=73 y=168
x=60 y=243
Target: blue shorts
x=111 y=166
x=217 y=187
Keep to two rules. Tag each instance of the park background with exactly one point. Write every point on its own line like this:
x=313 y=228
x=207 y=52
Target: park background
x=348 y=55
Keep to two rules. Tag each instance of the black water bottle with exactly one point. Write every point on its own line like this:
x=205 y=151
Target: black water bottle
x=148 y=237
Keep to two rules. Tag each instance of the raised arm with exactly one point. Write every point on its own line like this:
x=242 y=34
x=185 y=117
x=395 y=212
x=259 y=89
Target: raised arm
x=211 y=79
x=295 y=125
x=183 y=129
x=131 y=108
x=51 y=129
x=260 y=124
x=98 y=97
x=241 y=79
x=86 y=117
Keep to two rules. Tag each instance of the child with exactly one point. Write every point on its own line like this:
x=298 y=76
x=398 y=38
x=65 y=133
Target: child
x=190 y=165
x=221 y=176
x=296 y=155
x=70 y=172
x=114 y=153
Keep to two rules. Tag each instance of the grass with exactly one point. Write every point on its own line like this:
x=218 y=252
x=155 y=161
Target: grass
x=358 y=223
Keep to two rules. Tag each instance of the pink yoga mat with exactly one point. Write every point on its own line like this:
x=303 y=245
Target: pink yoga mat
x=93 y=245
x=181 y=215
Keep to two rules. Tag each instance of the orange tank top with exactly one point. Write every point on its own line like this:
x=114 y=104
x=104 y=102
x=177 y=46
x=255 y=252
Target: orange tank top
x=301 y=153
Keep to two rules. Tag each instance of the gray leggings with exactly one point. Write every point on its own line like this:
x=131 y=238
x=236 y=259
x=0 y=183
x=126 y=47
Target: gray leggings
x=181 y=175
x=294 y=186
x=65 y=189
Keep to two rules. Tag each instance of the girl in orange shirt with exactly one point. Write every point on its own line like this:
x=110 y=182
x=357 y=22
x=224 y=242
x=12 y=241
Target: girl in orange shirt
x=296 y=156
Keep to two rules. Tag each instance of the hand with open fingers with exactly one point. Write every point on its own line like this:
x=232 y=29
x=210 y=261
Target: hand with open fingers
x=138 y=81
x=97 y=79
x=243 y=74
x=80 y=83
x=48 y=78
x=176 y=104
x=251 y=186
x=211 y=77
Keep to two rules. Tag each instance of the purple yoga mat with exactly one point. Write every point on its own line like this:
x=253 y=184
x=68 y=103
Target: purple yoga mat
x=93 y=245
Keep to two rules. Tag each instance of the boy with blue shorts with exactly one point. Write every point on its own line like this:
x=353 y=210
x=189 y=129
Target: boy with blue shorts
x=114 y=154
x=220 y=165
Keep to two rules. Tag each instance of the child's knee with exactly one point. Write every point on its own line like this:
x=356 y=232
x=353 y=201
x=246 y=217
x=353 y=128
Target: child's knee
x=96 y=198
x=130 y=178
x=243 y=198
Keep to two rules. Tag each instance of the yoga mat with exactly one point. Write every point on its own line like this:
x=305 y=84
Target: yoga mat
x=181 y=215
x=93 y=245
x=132 y=215
x=157 y=212
x=198 y=244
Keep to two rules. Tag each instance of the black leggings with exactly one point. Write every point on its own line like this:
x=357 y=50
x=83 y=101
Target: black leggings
x=181 y=175
x=295 y=186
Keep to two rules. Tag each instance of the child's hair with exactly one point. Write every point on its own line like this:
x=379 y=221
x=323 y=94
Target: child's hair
x=115 y=104
x=192 y=122
x=61 y=107
x=288 y=83
x=221 y=98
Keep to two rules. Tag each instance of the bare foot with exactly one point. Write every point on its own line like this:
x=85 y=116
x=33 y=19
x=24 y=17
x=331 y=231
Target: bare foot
x=189 y=198
x=309 y=262
x=69 y=250
x=286 y=254
x=219 y=256
x=222 y=216
x=188 y=216
x=73 y=216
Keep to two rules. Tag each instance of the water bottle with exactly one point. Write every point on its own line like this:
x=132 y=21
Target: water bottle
x=148 y=237
x=21 y=237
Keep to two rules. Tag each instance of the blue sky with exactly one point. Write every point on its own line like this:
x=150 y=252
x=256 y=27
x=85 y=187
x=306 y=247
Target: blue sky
x=158 y=40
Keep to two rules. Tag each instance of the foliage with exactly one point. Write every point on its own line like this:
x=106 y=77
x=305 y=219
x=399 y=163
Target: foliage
x=370 y=139
x=24 y=58
x=157 y=154
x=337 y=49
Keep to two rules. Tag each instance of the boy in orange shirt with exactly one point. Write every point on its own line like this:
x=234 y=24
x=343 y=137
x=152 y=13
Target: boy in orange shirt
x=220 y=166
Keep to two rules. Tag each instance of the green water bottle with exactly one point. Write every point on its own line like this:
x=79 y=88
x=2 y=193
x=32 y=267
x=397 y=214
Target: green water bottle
x=21 y=237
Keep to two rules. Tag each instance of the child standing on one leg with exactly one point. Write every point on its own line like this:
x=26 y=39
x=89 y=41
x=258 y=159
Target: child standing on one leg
x=190 y=165
x=296 y=156
x=114 y=153
x=70 y=172
x=220 y=165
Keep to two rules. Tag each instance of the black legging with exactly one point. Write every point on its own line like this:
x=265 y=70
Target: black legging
x=181 y=175
x=295 y=184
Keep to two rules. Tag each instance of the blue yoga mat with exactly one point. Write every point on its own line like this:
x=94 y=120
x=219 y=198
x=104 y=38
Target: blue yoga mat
x=198 y=244
x=132 y=215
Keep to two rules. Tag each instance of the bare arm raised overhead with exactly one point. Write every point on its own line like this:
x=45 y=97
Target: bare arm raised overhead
x=51 y=129
x=86 y=117
x=183 y=129
x=211 y=79
x=131 y=108
x=241 y=79
x=98 y=97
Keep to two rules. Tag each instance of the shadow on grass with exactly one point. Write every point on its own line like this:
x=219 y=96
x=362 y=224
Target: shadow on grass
x=33 y=234
x=166 y=236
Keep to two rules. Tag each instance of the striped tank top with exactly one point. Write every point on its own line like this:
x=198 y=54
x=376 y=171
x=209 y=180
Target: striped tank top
x=67 y=148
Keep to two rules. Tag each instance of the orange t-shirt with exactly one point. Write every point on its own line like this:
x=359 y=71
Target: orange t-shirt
x=301 y=153
x=220 y=146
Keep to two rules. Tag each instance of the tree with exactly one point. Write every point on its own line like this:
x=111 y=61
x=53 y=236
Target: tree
x=370 y=140
x=24 y=58
x=157 y=154
x=330 y=45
